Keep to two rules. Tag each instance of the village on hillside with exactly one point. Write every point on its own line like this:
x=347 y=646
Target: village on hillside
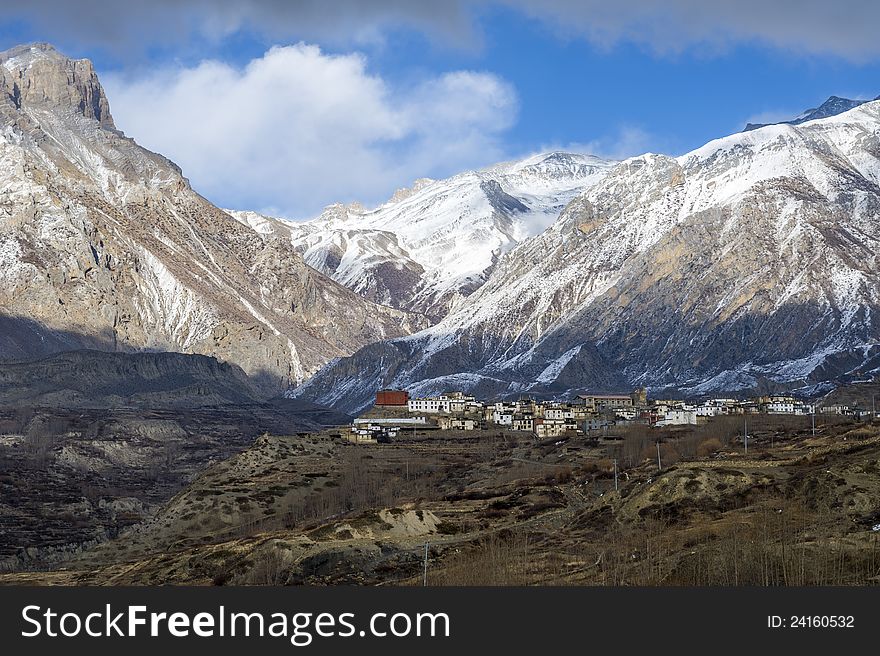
x=395 y=411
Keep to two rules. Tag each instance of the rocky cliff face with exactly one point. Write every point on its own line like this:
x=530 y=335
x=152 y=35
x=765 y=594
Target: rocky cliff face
x=36 y=75
x=751 y=259
x=104 y=245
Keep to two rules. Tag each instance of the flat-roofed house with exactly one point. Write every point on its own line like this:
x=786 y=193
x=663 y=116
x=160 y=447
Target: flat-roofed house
x=502 y=417
x=677 y=417
x=549 y=427
x=432 y=404
x=457 y=423
x=604 y=401
x=523 y=423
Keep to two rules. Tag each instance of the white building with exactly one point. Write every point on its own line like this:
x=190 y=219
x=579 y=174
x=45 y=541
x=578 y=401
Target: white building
x=502 y=417
x=391 y=421
x=473 y=407
x=706 y=410
x=432 y=404
x=835 y=410
x=550 y=427
x=781 y=407
x=457 y=423
x=626 y=413
x=523 y=424
x=558 y=413
x=678 y=417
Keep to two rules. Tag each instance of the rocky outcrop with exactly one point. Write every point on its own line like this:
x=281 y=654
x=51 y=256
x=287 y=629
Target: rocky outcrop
x=37 y=75
x=104 y=244
x=832 y=107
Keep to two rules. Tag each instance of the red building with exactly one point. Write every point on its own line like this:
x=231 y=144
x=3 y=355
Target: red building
x=392 y=397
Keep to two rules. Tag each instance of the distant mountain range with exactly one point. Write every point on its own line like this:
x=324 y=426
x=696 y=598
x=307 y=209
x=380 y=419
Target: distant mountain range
x=432 y=245
x=832 y=107
x=751 y=262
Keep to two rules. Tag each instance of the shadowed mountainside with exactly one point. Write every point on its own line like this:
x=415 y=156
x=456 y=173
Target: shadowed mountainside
x=92 y=442
x=98 y=379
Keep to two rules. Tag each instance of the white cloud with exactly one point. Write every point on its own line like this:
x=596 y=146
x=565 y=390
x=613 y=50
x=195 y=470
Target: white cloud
x=138 y=25
x=298 y=128
x=626 y=141
x=845 y=28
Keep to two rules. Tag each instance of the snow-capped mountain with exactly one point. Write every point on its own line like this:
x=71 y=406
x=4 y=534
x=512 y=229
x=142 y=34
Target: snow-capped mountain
x=432 y=245
x=104 y=244
x=832 y=107
x=749 y=261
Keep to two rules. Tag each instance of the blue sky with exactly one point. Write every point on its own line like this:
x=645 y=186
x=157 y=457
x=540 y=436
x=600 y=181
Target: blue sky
x=434 y=91
x=572 y=91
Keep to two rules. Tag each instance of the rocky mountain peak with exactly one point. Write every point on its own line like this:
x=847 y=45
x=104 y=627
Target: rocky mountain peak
x=38 y=75
x=405 y=192
x=832 y=107
x=103 y=244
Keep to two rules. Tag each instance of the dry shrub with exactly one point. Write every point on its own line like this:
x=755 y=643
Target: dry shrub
x=669 y=455
x=564 y=475
x=268 y=569
x=589 y=467
x=709 y=447
x=604 y=465
x=507 y=558
x=861 y=433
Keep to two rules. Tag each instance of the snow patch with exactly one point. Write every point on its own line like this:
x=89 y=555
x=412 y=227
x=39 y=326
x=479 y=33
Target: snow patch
x=552 y=371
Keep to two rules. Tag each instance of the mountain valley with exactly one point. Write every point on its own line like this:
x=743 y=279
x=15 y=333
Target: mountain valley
x=179 y=382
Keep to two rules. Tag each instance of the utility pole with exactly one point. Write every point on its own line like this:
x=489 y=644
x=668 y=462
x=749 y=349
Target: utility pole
x=425 y=574
x=615 y=474
x=659 y=464
x=746 y=433
x=813 y=415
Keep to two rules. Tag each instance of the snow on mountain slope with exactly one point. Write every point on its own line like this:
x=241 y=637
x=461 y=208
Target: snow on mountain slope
x=750 y=261
x=369 y=262
x=103 y=244
x=260 y=223
x=431 y=246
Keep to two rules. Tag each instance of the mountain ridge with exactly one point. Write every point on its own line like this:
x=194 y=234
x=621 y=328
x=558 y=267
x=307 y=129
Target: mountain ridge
x=833 y=106
x=752 y=258
x=430 y=246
